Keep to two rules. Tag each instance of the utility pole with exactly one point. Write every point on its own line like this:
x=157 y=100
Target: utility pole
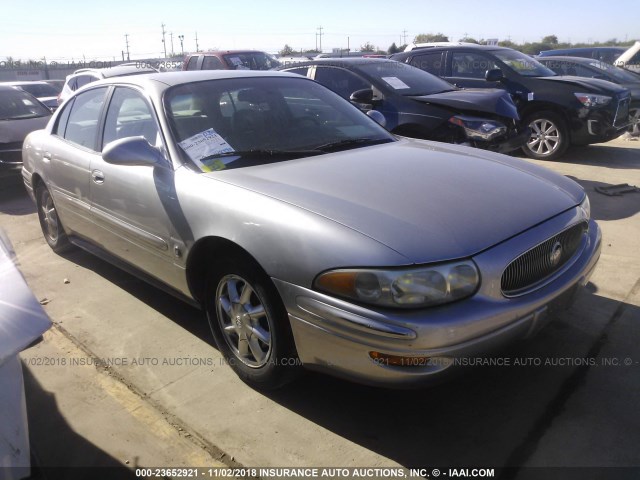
x=181 y=37
x=171 y=34
x=126 y=41
x=164 y=44
x=404 y=37
x=197 y=47
x=320 y=35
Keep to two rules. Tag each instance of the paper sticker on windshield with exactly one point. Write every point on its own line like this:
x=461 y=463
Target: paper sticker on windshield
x=206 y=144
x=395 y=82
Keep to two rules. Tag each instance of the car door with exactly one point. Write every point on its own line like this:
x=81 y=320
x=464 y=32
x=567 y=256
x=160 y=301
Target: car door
x=129 y=203
x=467 y=69
x=74 y=144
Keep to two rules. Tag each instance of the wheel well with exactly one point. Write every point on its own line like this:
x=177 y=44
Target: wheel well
x=202 y=258
x=539 y=107
x=36 y=180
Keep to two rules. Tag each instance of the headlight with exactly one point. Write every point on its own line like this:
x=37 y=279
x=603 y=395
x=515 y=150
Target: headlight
x=590 y=100
x=479 y=128
x=585 y=206
x=403 y=288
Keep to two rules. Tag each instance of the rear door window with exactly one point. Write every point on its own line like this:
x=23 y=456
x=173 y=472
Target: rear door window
x=83 y=123
x=341 y=81
x=429 y=62
x=212 y=63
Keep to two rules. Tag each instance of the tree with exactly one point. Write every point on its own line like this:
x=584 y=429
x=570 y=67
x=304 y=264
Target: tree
x=508 y=44
x=469 y=40
x=368 y=47
x=287 y=51
x=550 y=39
x=393 y=49
x=430 y=37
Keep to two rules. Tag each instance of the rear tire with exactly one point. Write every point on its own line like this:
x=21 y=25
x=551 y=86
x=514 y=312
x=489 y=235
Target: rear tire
x=250 y=324
x=634 y=114
x=50 y=223
x=549 y=136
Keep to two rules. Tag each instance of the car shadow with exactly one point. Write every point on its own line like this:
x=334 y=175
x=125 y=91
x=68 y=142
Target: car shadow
x=487 y=416
x=609 y=207
x=14 y=199
x=57 y=451
x=600 y=155
x=186 y=316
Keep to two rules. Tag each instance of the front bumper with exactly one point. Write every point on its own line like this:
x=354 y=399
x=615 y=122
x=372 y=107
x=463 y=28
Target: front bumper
x=336 y=336
x=599 y=125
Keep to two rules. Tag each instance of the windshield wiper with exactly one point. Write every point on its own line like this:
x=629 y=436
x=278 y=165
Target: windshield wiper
x=351 y=142
x=263 y=152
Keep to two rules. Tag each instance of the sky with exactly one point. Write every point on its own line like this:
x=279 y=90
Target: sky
x=83 y=31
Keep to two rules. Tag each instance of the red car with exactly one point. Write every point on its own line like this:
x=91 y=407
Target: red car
x=230 y=60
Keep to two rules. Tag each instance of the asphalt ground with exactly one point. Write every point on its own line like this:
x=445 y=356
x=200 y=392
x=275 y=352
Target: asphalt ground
x=129 y=377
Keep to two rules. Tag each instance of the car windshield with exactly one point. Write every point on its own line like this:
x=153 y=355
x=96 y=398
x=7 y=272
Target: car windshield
x=237 y=122
x=39 y=89
x=523 y=64
x=405 y=79
x=618 y=73
x=16 y=104
x=251 y=61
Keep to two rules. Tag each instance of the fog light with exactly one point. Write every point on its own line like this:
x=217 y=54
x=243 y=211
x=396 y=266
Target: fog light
x=398 y=360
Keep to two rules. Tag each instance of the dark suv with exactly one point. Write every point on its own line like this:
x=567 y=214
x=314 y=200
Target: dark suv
x=561 y=110
x=230 y=60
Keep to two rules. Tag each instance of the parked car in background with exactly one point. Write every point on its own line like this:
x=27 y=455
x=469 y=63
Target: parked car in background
x=230 y=60
x=604 y=54
x=57 y=84
x=20 y=114
x=560 y=110
x=308 y=233
x=83 y=76
x=47 y=94
x=630 y=59
x=417 y=104
x=586 y=67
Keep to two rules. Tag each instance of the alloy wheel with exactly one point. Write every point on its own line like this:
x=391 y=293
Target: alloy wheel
x=545 y=137
x=50 y=216
x=634 y=115
x=245 y=324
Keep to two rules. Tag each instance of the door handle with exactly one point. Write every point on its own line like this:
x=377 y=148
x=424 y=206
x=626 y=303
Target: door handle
x=97 y=176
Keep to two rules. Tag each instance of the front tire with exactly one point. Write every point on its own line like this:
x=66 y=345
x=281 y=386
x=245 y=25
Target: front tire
x=549 y=136
x=250 y=324
x=634 y=115
x=50 y=223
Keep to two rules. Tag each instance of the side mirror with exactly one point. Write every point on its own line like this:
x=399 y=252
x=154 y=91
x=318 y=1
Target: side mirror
x=362 y=96
x=132 y=151
x=494 y=75
x=377 y=117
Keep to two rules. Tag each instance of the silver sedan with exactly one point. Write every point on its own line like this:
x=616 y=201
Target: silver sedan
x=310 y=236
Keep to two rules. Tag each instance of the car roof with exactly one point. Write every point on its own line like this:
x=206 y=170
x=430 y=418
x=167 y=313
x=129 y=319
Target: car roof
x=24 y=82
x=116 y=70
x=340 y=61
x=179 y=77
x=567 y=58
x=6 y=87
x=225 y=52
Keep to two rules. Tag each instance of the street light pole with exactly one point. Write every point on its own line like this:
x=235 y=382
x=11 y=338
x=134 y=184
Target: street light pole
x=181 y=37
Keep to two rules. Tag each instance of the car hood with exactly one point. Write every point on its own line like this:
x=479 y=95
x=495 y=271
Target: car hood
x=428 y=201
x=591 y=85
x=634 y=89
x=16 y=130
x=477 y=99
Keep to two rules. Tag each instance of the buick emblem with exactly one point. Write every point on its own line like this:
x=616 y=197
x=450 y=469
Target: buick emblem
x=556 y=253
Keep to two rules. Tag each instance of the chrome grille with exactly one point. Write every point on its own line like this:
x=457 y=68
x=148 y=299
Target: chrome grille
x=622 y=113
x=536 y=265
